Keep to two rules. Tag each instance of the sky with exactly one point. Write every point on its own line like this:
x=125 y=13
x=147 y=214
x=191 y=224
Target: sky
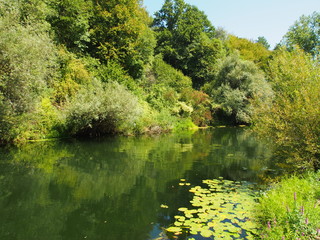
x=250 y=18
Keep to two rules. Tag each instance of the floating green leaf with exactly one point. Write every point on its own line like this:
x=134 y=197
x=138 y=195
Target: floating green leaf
x=223 y=210
x=174 y=229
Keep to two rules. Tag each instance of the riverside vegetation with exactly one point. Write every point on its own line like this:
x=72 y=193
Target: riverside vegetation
x=91 y=68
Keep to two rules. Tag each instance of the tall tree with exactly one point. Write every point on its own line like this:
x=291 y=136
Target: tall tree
x=262 y=40
x=185 y=38
x=305 y=33
x=120 y=32
x=249 y=50
x=70 y=21
x=293 y=120
x=238 y=84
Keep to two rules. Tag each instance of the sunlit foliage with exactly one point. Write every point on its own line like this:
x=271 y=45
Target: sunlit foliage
x=185 y=37
x=291 y=210
x=293 y=120
x=305 y=33
x=237 y=85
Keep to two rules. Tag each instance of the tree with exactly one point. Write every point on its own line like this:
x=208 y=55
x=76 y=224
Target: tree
x=120 y=32
x=305 y=33
x=249 y=50
x=185 y=38
x=70 y=22
x=27 y=67
x=293 y=120
x=263 y=41
x=238 y=85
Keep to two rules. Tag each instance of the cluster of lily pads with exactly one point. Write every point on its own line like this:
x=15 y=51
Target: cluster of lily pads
x=224 y=210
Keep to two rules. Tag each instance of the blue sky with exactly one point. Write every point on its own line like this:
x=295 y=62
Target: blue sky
x=251 y=18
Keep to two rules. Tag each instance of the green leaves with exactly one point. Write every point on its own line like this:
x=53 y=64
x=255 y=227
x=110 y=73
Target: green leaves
x=185 y=39
x=292 y=121
x=224 y=210
x=305 y=34
x=237 y=85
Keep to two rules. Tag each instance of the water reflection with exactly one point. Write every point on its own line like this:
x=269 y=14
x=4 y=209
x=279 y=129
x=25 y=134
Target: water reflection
x=113 y=188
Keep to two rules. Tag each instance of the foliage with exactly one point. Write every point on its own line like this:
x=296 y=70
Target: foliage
x=291 y=210
x=120 y=32
x=293 y=121
x=201 y=104
x=70 y=22
x=185 y=38
x=43 y=123
x=224 y=210
x=73 y=74
x=163 y=73
x=164 y=86
x=305 y=33
x=102 y=108
x=184 y=124
x=262 y=40
x=237 y=85
x=255 y=52
x=27 y=67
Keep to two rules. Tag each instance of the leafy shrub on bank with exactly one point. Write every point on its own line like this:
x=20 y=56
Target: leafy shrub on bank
x=201 y=105
x=291 y=209
x=102 y=109
x=293 y=119
x=27 y=67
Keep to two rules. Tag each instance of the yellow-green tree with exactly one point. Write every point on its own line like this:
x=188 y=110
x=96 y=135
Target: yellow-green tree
x=293 y=120
x=249 y=50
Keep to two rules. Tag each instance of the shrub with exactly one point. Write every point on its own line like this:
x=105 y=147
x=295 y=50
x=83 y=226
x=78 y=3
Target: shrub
x=291 y=209
x=27 y=67
x=201 y=104
x=102 y=109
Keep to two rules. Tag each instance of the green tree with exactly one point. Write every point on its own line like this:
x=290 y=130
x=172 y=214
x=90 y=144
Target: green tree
x=293 y=119
x=249 y=50
x=120 y=32
x=237 y=85
x=185 y=38
x=27 y=68
x=262 y=40
x=70 y=22
x=305 y=33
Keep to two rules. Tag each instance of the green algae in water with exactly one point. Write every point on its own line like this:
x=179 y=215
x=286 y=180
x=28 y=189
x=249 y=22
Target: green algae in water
x=224 y=210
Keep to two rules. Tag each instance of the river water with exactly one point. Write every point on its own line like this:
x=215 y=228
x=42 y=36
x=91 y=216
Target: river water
x=116 y=188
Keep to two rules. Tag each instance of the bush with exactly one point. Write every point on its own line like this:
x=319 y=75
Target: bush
x=102 y=109
x=27 y=67
x=201 y=104
x=291 y=209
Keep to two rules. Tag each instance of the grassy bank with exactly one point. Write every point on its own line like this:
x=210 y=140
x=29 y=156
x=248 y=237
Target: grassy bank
x=291 y=209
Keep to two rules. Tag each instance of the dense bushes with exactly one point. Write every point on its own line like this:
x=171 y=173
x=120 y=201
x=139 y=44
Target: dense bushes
x=27 y=67
x=293 y=120
x=291 y=209
x=100 y=109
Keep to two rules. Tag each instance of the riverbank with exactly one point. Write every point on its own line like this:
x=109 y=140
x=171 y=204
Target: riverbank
x=291 y=208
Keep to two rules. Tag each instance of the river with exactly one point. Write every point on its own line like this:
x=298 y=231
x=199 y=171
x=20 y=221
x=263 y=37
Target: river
x=118 y=188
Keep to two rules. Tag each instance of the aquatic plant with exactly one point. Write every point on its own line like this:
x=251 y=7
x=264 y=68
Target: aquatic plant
x=224 y=210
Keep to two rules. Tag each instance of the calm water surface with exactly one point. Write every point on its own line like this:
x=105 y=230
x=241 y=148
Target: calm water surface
x=113 y=188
